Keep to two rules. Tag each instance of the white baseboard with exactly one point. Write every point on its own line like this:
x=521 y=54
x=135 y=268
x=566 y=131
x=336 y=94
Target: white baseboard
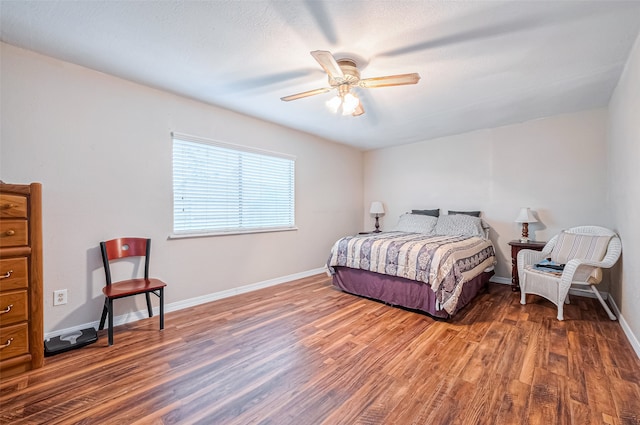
x=179 y=305
x=633 y=339
x=501 y=280
x=587 y=293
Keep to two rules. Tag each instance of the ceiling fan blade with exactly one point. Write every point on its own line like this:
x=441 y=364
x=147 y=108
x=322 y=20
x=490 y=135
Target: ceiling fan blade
x=305 y=94
x=359 y=110
x=328 y=63
x=390 y=80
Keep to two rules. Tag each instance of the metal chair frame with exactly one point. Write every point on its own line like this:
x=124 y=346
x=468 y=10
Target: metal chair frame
x=123 y=248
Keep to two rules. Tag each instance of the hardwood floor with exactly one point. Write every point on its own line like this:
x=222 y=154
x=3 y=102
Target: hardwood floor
x=305 y=353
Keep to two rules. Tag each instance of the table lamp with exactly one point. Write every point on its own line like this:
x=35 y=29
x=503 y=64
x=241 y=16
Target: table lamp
x=525 y=217
x=376 y=209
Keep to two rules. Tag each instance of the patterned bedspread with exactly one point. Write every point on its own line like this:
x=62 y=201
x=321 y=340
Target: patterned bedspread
x=444 y=263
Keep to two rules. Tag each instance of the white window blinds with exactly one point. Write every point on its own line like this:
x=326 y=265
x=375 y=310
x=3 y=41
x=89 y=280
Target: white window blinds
x=220 y=188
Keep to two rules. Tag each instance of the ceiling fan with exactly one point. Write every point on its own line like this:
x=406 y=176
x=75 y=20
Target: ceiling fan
x=343 y=76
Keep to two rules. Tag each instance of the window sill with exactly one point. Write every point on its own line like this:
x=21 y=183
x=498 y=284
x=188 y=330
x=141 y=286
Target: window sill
x=229 y=233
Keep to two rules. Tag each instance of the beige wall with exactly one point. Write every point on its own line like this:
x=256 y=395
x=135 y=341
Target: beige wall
x=624 y=190
x=556 y=166
x=101 y=146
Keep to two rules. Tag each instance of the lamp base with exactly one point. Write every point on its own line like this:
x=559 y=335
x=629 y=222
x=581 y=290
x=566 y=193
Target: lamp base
x=525 y=233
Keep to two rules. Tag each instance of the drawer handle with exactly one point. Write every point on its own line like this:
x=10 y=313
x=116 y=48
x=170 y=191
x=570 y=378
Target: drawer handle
x=8 y=206
x=9 y=341
x=6 y=310
x=10 y=232
x=7 y=275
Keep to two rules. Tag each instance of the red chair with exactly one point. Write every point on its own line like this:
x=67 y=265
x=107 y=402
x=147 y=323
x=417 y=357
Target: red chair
x=122 y=248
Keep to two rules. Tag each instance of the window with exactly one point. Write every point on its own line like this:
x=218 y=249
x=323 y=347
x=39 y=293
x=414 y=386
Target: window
x=223 y=188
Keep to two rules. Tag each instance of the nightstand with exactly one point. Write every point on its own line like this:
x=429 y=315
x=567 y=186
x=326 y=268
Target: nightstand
x=516 y=246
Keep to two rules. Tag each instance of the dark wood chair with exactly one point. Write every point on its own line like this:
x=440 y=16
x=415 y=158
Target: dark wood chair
x=116 y=249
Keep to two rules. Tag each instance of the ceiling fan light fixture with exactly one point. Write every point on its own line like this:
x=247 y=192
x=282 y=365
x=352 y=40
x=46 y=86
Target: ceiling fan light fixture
x=349 y=104
x=346 y=102
x=334 y=104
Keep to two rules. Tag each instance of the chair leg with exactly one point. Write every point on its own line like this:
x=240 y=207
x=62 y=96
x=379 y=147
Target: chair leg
x=563 y=298
x=161 y=308
x=523 y=292
x=110 y=302
x=104 y=315
x=149 y=304
x=604 y=304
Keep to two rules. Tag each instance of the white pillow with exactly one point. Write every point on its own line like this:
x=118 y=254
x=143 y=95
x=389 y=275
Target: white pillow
x=416 y=223
x=459 y=224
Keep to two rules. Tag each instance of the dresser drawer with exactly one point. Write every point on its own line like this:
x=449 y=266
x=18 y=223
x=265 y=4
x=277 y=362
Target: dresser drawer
x=14 y=307
x=14 y=341
x=14 y=273
x=13 y=206
x=13 y=233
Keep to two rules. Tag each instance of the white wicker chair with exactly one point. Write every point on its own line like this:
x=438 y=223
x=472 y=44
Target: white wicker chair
x=576 y=271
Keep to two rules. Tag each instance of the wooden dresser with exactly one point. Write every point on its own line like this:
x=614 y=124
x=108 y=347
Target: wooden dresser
x=21 y=304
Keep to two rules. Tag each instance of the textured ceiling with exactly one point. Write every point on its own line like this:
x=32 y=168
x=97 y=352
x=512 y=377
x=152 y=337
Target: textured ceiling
x=483 y=63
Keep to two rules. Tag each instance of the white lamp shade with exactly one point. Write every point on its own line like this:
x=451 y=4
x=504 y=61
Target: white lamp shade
x=526 y=216
x=376 y=208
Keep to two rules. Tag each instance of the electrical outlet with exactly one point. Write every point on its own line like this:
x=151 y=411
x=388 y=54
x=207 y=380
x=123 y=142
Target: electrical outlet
x=60 y=297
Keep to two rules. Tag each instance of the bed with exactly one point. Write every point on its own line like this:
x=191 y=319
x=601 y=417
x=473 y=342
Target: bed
x=433 y=264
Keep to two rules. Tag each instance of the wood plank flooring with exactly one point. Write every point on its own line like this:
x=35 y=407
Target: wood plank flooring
x=305 y=353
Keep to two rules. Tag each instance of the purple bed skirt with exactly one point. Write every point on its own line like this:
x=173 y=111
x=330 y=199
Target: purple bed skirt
x=403 y=292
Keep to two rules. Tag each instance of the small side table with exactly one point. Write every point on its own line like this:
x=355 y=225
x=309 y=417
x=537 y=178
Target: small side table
x=516 y=246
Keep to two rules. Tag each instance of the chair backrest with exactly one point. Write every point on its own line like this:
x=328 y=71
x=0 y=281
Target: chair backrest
x=115 y=249
x=590 y=249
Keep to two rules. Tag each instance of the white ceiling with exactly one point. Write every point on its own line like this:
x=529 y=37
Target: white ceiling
x=483 y=63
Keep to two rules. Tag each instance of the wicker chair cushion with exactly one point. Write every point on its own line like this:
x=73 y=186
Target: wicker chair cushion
x=590 y=275
x=575 y=245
